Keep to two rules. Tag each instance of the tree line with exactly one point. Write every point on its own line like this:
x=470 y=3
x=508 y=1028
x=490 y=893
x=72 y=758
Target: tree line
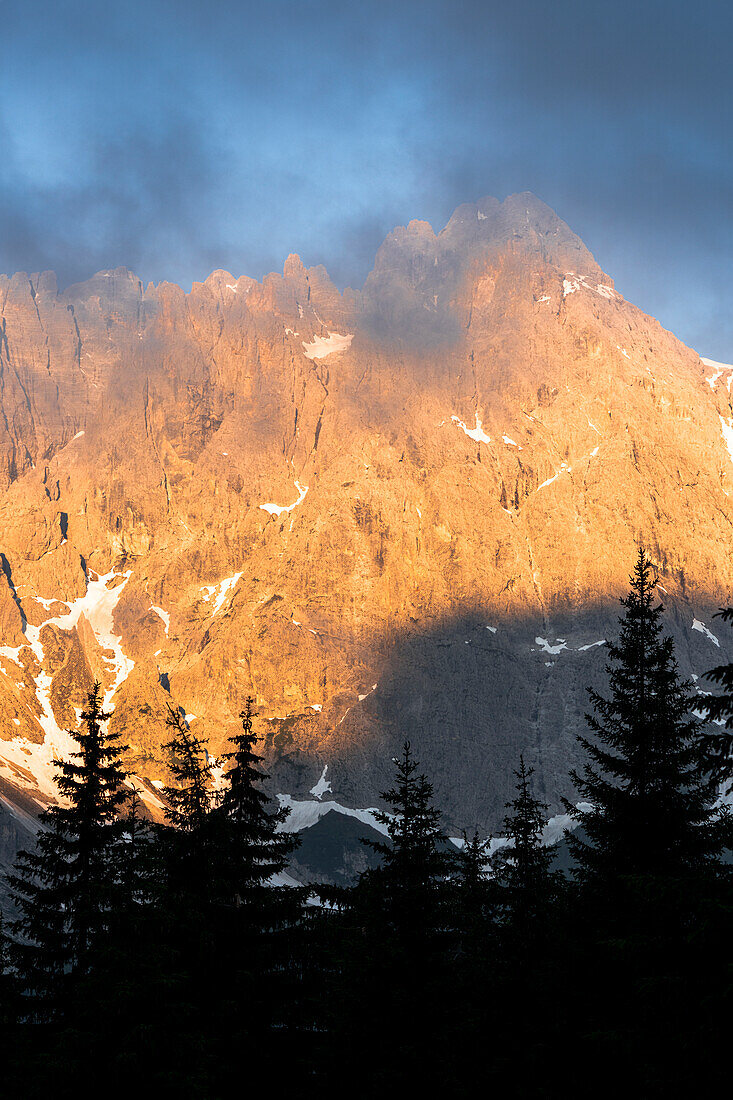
x=167 y=956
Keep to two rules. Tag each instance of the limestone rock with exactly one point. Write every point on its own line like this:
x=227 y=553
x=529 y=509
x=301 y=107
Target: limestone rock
x=407 y=510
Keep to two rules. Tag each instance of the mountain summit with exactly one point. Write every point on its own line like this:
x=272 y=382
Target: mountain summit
x=404 y=511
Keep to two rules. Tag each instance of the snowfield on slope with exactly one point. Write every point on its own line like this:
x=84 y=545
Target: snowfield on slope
x=37 y=760
x=476 y=433
x=279 y=509
x=219 y=592
x=322 y=346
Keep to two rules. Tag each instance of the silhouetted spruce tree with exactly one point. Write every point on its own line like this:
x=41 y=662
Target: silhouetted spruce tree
x=397 y=969
x=528 y=979
x=474 y=897
x=8 y=1006
x=648 y=782
x=187 y=839
x=189 y=797
x=10 y=1036
x=474 y=901
x=148 y=1007
x=107 y=1027
x=136 y=864
x=523 y=867
x=647 y=858
x=65 y=888
x=252 y=850
x=412 y=876
x=257 y=918
x=186 y=1020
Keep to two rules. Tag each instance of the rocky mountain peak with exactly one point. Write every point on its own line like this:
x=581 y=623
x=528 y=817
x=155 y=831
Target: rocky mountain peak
x=405 y=511
x=117 y=285
x=293 y=266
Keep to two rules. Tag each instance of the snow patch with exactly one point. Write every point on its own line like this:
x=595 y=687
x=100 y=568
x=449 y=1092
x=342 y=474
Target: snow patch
x=97 y=605
x=476 y=433
x=552 y=649
x=282 y=878
x=219 y=592
x=278 y=509
x=20 y=758
x=495 y=843
x=304 y=814
x=164 y=615
x=564 y=469
x=719 y=367
x=323 y=786
x=560 y=824
x=321 y=346
x=42 y=600
x=697 y=625
x=361 y=700
x=573 y=282
x=591 y=645
x=726 y=426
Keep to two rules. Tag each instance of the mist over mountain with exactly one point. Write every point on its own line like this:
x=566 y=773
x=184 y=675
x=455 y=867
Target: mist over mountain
x=402 y=511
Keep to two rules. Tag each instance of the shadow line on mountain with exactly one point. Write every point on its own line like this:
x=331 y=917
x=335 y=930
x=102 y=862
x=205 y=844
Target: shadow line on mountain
x=471 y=699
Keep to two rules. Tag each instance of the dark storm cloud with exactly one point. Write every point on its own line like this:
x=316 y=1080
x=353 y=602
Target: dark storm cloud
x=180 y=135
x=137 y=200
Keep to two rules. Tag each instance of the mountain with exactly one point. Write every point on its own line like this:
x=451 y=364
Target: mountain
x=403 y=511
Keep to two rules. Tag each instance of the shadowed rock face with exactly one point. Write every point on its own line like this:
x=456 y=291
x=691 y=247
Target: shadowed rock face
x=299 y=495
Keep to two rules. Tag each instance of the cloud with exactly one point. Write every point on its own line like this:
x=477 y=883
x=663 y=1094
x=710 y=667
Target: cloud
x=177 y=136
x=146 y=202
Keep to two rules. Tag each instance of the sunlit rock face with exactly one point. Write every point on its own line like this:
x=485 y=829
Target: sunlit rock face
x=405 y=511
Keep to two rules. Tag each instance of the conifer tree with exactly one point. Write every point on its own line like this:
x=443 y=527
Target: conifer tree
x=526 y=960
x=523 y=866
x=189 y=798
x=186 y=841
x=648 y=780
x=136 y=856
x=251 y=849
x=648 y=865
x=414 y=868
x=257 y=918
x=474 y=893
x=6 y=985
x=474 y=901
x=11 y=1057
x=397 y=939
x=63 y=890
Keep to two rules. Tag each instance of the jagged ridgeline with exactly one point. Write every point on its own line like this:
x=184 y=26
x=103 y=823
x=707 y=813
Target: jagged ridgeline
x=404 y=511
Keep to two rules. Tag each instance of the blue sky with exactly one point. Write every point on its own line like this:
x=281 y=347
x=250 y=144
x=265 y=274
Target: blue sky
x=178 y=136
